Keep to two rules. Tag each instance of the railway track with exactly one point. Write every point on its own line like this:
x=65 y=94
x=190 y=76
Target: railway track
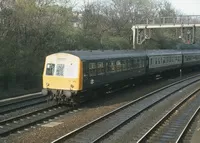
x=172 y=127
x=104 y=126
x=26 y=120
x=17 y=104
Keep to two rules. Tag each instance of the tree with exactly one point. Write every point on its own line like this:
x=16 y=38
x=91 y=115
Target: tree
x=29 y=31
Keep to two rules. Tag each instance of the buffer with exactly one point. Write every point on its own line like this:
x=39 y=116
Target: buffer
x=185 y=24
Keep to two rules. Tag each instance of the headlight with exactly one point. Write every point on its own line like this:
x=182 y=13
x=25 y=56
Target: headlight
x=44 y=92
x=47 y=84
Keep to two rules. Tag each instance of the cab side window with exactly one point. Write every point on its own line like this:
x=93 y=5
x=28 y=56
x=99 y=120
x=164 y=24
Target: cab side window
x=85 y=69
x=92 y=69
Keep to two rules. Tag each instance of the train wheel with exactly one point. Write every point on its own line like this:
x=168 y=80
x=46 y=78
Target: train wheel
x=49 y=98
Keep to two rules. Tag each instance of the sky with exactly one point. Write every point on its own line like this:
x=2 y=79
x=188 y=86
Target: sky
x=188 y=7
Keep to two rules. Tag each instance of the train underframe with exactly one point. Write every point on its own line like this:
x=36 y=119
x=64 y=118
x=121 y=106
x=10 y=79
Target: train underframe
x=61 y=96
x=76 y=97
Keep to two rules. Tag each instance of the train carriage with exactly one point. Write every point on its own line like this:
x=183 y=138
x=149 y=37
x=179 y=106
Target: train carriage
x=69 y=73
x=163 y=60
x=191 y=58
x=111 y=66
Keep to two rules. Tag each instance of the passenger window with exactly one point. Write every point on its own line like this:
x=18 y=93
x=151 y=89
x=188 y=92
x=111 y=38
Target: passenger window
x=111 y=66
x=140 y=63
x=163 y=60
x=100 y=68
x=118 y=66
x=133 y=63
x=129 y=64
x=107 y=67
x=92 y=69
x=124 y=65
x=143 y=62
x=60 y=69
x=50 y=69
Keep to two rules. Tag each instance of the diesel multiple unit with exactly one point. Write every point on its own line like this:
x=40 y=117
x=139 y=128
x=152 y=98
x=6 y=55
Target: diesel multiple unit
x=71 y=75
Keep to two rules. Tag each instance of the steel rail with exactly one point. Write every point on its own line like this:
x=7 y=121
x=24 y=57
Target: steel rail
x=26 y=114
x=9 y=101
x=78 y=130
x=26 y=120
x=10 y=107
x=187 y=126
x=167 y=115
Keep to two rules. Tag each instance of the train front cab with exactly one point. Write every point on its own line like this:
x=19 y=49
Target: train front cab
x=62 y=76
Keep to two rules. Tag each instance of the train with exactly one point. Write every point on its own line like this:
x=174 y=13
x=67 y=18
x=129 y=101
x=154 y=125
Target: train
x=70 y=76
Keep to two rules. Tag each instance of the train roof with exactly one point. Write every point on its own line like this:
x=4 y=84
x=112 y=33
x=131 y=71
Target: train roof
x=107 y=54
x=163 y=52
x=193 y=51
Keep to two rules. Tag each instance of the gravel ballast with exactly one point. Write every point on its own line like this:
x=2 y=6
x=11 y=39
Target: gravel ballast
x=77 y=118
